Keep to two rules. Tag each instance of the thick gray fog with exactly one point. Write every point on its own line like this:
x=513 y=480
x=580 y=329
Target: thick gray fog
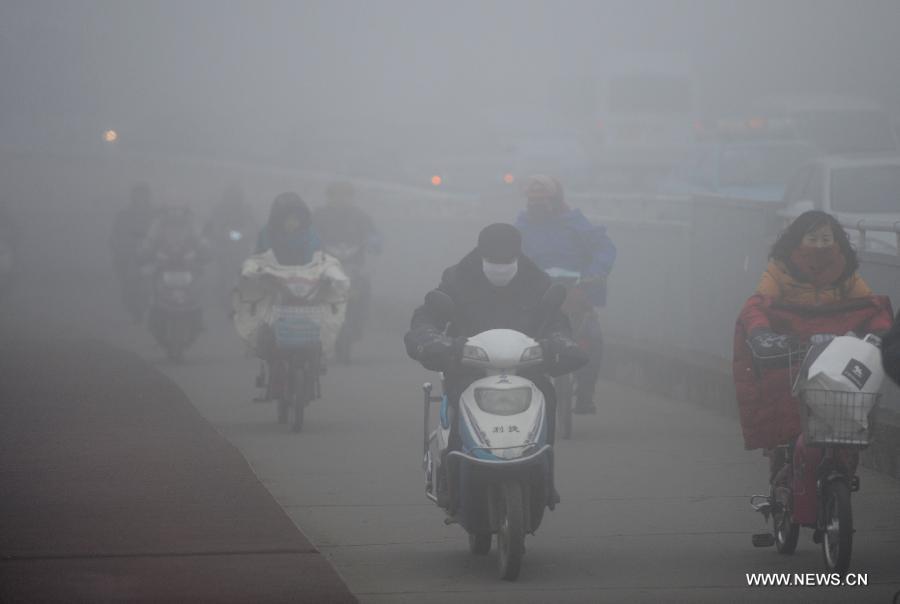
x=262 y=78
x=691 y=131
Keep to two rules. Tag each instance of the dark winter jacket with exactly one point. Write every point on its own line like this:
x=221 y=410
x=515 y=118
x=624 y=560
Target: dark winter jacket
x=890 y=351
x=769 y=414
x=570 y=241
x=480 y=306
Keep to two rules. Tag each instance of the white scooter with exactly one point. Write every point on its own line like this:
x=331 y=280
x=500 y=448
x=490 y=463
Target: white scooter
x=501 y=479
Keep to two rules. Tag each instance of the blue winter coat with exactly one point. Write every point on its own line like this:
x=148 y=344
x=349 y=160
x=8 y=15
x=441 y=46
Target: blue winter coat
x=570 y=241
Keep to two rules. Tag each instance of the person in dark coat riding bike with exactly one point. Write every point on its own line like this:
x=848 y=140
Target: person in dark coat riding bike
x=495 y=286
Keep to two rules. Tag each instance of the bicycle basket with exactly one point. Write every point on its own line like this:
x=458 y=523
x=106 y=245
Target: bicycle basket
x=296 y=327
x=832 y=417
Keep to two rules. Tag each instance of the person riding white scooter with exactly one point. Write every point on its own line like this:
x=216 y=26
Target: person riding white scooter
x=493 y=287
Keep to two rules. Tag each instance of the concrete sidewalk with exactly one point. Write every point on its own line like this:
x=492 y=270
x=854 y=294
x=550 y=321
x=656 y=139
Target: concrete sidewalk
x=115 y=489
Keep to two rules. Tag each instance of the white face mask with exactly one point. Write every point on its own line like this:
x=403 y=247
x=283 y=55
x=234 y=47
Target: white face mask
x=500 y=274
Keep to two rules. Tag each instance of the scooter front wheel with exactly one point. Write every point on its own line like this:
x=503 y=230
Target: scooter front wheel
x=511 y=532
x=837 y=538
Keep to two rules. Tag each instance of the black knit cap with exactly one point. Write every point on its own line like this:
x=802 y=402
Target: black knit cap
x=500 y=243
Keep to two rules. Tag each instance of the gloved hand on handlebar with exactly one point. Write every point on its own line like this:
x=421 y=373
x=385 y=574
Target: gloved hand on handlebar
x=441 y=352
x=770 y=348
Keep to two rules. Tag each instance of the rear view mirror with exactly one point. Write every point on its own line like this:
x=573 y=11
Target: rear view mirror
x=439 y=304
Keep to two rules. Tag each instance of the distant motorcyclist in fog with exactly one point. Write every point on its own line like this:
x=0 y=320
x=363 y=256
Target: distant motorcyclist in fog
x=494 y=286
x=174 y=233
x=288 y=232
x=555 y=235
x=342 y=222
x=129 y=230
x=348 y=233
x=174 y=253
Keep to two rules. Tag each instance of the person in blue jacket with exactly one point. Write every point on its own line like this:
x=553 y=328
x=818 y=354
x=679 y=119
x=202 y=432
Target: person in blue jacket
x=288 y=232
x=557 y=236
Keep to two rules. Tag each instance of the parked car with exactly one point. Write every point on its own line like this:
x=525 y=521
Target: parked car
x=852 y=188
x=747 y=169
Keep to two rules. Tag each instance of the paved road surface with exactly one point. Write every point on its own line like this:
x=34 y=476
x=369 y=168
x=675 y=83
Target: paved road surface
x=654 y=492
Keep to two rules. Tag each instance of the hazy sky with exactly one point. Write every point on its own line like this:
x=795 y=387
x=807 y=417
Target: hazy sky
x=255 y=70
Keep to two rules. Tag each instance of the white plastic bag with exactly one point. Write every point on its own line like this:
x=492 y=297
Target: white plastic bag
x=848 y=364
x=841 y=390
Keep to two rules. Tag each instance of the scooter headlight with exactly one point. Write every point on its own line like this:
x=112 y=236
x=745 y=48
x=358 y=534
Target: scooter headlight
x=475 y=353
x=497 y=401
x=235 y=235
x=533 y=354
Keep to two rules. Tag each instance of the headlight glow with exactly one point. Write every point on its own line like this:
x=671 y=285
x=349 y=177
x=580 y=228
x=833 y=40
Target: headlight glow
x=508 y=401
x=235 y=235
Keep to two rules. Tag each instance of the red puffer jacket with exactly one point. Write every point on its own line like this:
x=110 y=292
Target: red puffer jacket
x=769 y=415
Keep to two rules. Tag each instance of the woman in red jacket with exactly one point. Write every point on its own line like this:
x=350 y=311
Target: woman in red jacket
x=811 y=286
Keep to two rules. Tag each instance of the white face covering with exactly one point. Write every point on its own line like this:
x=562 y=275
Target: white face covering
x=500 y=274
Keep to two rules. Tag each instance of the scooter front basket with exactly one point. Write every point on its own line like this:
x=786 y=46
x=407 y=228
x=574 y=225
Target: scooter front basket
x=833 y=417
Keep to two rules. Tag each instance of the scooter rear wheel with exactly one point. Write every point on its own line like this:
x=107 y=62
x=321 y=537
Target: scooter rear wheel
x=837 y=540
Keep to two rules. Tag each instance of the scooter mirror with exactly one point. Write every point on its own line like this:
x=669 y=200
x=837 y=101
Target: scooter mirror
x=439 y=304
